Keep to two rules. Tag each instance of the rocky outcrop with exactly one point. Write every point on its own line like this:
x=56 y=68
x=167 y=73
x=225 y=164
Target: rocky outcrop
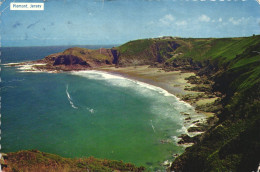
x=78 y=59
x=69 y=60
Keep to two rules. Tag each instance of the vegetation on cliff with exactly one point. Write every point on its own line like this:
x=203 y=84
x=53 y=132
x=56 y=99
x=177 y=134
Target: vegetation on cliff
x=146 y=51
x=35 y=160
x=139 y=52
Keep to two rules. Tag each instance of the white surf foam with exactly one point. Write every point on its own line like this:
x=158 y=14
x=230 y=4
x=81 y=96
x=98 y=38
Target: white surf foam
x=176 y=139
x=28 y=67
x=10 y=64
x=69 y=98
x=90 y=110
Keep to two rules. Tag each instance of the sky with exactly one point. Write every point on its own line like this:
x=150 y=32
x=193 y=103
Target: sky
x=95 y=22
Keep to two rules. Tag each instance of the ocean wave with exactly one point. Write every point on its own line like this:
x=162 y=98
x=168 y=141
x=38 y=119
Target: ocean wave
x=69 y=98
x=118 y=80
x=152 y=126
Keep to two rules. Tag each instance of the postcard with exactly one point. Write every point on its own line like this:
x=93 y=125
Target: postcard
x=130 y=85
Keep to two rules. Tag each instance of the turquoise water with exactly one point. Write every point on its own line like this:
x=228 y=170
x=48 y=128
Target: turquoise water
x=91 y=113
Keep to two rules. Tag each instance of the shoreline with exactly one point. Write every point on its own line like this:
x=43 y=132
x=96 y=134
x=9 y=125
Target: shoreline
x=174 y=82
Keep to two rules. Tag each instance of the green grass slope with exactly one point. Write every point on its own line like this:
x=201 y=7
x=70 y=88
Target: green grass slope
x=145 y=51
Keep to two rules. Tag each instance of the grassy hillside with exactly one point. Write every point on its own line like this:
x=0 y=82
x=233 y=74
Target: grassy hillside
x=86 y=54
x=145 y=51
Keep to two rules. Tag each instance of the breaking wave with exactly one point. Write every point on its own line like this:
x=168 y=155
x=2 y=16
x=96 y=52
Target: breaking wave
x=69 y=98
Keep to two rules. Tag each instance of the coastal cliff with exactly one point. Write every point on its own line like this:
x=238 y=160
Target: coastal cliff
x=229 y=67
x=139 y=52
x=233 y=143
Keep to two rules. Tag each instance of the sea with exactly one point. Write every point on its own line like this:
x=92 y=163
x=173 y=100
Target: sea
x=87 y=113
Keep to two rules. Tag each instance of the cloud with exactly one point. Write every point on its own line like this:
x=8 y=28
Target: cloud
x=238 y=21
x=204 y=18
x=31 y=25
x=220 y=19
x=167 y=19
x=17 y=24
x=233 y=21
x=181 y=23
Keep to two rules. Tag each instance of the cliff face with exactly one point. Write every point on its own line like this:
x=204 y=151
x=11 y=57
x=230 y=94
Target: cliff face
x=69 y=60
